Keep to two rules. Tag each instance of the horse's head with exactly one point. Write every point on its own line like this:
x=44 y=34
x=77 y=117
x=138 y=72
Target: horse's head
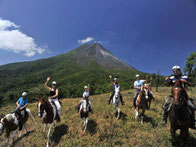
x=117 y=90
x=41 y=106
x=1 y=127
x=178 y=92
x=84 y=105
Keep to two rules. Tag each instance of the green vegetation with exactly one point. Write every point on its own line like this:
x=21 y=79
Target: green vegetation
x=70 y=75
x=104 y=129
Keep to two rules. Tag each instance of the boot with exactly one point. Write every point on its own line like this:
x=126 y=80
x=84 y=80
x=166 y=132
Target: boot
x=58 y=119
x=110 y=100
x=121 y=100
x=165 y=114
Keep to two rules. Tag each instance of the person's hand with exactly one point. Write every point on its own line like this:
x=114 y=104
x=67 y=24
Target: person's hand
x=167 y=78
x=110 y=76
x=48 y=79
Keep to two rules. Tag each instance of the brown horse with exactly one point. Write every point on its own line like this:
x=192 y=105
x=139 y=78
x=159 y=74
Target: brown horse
x=48 y=112
x=179 y=113
x=141 y=103
x=10 y=123
x=148 y=91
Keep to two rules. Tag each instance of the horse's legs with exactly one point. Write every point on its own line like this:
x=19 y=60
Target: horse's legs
x=25 y=126
x=183 y=136
x=21 y=131
x=118 y=112
x=86 y=122
x=142 y=116
x=136 y=112
x=7 y=141
x=14 y=134
x=45 y=125
x=173 y=134
x=49 y=134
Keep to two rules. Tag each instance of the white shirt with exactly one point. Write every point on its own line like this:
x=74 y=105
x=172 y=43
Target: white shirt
x=85 y=94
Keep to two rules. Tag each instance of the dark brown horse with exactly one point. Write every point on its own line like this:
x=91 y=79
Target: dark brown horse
x=148 y=91
x=179 y=114
x=48 y=112
x=141 y=103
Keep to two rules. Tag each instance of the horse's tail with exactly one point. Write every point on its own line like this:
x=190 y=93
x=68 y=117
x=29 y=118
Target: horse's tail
x=30 y=114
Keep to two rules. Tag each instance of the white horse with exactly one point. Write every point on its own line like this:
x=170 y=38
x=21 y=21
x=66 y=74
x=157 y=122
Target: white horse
x=84 y=113
x=116 y=101
x=10 y=123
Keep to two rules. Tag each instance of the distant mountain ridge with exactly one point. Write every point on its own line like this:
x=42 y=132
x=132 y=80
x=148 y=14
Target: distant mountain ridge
x=88 y=64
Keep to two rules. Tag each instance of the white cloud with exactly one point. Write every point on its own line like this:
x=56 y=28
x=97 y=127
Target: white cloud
x=88 y=39
x=12 y=39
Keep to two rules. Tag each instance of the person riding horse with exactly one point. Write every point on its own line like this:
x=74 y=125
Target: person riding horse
x=86 y=96
x=53 y=98
x=178 y=76
x=148 y=84
x=22 y=103
x=137 y=85
x=116 y=84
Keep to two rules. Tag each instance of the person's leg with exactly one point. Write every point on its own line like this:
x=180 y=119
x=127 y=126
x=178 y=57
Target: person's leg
x=135 y=98
x=192 y=108
x=58 y=106
x=111 y=96
x=165 y=109
x=121 y=99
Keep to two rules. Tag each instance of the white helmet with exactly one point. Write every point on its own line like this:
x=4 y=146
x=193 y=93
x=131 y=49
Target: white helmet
x=115 y=79
x=137 y=76
x=85 y=87
x=24 y=94
x=175 y=67
x=54 y=82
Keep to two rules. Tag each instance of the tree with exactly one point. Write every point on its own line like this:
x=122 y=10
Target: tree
x=157 y=80
x=190 y=64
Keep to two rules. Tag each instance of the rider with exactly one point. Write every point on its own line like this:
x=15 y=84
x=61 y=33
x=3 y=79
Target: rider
x=53 y=98
x=137 y=85
x=22 y=103
x=86 y=96
x=116 y=85
x=149 y=81
x=170 y=80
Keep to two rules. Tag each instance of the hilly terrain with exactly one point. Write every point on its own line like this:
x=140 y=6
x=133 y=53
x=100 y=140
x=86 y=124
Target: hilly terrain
x=103 y=130
x=87 y=64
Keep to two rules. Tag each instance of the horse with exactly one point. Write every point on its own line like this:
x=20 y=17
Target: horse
x=10 y=123
x=84 y=113
x=141 y=103
x=116 y=101
x=179 y=114
x=148 y=90
x=48 y=112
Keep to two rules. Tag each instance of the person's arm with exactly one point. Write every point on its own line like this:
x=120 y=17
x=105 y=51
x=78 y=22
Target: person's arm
x=136 y=87
x=23 y=106
x=56 y=95
x=17 y=104
x=111 y=80
x=186 y=82
x=89 y=88
x=119 y=85
x=46 y=84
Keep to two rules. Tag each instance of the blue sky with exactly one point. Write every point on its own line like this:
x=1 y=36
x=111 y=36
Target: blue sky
x=147 y=34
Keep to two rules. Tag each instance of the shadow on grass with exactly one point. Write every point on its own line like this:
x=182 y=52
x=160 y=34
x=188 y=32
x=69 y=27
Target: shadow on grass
x=191 y=141
x=18 y=139
x=92 y=127
x=150 y=120
x=59 y=131
x=123 y=116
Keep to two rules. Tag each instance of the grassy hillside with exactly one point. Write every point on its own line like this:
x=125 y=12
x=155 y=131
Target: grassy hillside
x=103 y=128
